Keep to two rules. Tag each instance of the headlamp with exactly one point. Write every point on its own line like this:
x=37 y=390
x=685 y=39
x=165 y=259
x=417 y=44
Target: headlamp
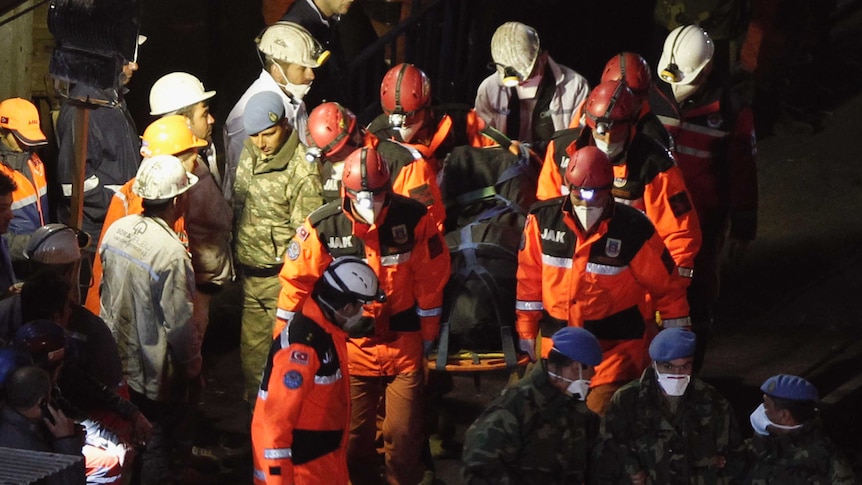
x=587 y=194
x=511 y=77
x=321 y=55
x=671 y=73
x=365 y=199
x=396 y=120
x=312 y=154
x=603 y=128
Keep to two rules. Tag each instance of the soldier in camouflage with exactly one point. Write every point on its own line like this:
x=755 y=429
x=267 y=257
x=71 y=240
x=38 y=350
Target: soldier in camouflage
x=539 y=430
x=669 y=427
x=789 y=446
x=275 y=190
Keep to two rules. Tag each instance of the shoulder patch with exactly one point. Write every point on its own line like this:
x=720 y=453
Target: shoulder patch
x=293 y=380
x=298 y=357
x=293 y=250
x=679 y=203
x=302 y=233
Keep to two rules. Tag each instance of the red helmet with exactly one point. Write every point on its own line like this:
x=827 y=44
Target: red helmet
x=590 y=168
x=630 y=68
x=365 y=171
x=330 y=126
x=405 y=89
x=44 y=340
x=608 y=103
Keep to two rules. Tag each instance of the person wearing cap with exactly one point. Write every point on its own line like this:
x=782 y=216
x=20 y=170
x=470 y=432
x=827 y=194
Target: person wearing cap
x=530 y=96
x=302 y=417
x=789 y=445
x=276 y=189
x=180 y=93
x=539 y=429
x=396 y=236
x=289 y=55
x=147 y=293
x=20 y=134
x=589 y=261
x=669 y=426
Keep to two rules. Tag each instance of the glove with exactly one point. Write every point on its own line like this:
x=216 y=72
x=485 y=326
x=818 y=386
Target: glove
x=528 y=345
x=426 y=347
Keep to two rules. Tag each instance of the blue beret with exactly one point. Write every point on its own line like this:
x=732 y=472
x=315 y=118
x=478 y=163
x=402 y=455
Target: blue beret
x=671 y=344
x=578 y=344
x=262 y=111
x=790 y=387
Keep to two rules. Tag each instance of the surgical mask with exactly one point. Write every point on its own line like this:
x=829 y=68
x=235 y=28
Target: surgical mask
x=407 y=132
x=612 y=150
x=672 y=384
x=760 y=422
x=296 y=91
x=587 y=216
x=681 y=92
x=352 y=322
x=579 y=387
x=368 y=213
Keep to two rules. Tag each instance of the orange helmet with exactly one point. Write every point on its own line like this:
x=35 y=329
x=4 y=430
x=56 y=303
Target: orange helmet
x=330 y=127
x=609 y=103
x=405 y=89
x=631 y=69
x=590 y=169
x=365 y=173
x=169 y=135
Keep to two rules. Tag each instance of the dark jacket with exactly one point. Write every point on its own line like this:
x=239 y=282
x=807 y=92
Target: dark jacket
x=20 y=433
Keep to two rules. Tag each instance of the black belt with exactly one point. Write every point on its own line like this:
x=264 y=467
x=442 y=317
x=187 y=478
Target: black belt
x=259 y=272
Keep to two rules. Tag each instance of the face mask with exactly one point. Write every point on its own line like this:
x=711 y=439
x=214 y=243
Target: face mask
x=352 y=323
x=407 y=132
x=612 y=150
x=587 y=216
x=681 y=92
x=760 y=422
x=296 y=91
x=368 y=214
x=672 y=384
x=579 y=387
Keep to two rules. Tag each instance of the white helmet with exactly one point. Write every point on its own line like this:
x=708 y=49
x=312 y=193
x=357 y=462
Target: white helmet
x=352 y=276
x=56 y=244
x=514 y=48
x=176 y=90
x=290 y=42
x=162 y=177
x=687 y=51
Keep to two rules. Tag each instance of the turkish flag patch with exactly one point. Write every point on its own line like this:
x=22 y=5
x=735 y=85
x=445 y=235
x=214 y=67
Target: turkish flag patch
x=298 y=357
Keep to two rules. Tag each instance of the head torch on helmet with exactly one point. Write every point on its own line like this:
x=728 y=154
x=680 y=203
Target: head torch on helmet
x=510 y=76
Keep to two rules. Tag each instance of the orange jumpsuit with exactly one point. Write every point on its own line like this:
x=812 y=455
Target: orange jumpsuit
x=300 y=422
x=597 y=282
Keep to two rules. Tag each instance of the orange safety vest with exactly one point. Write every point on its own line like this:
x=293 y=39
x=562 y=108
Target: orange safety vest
x=30 y=198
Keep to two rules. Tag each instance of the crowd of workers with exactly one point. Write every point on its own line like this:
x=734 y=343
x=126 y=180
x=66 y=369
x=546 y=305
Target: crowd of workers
x=336 y=234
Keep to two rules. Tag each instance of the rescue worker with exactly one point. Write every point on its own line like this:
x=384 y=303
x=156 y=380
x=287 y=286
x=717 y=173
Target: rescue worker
x=180 y=93
x=289 y=55
x=398 y=239
x=302 y=417
x=20 y=134
x=8 y=279
x=645 y=174
x=147 y=298
x=715 y=149
x=405 y=96
x=789 y=445
x=539 y=429
x=588 y=261
x=333 y=134
x=530 y=96
x=276 y=189
x=669 y=426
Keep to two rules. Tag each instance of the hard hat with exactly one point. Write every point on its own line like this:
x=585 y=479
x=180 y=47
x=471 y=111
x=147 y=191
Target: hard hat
x=175 y=91
x=577 y=344
x=44 y=340
x=687 y=51
x=350 y=275
x=290 y=42
x=589 y=169
x=631 y=69
x=56 y=244
x=365 y=175
x=169 y=135
x=22 y=118
x=405 y=89
x=515 y=46
x=162 y=177
x=330 y=127
x=609 y=103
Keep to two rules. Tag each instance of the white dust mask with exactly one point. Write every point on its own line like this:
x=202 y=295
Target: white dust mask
x=587 y=216
x=612 y=150
x=760 y=421
x=579 y=387
x=672 y=384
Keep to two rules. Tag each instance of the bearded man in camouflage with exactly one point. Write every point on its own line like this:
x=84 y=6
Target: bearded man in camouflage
x=539 y=430
x=275 y=190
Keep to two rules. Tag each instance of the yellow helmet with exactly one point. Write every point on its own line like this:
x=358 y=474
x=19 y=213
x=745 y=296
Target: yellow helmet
x=169 y=135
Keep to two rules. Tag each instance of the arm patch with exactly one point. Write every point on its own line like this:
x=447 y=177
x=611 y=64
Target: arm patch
x=667 y=259
x=422 y=194
x=679 y=203
x=435 y=246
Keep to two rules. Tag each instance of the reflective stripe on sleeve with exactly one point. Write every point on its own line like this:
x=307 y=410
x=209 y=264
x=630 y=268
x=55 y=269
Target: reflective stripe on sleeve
x=276 y=453
x=262 y=395
x=394 y=259
x=676 y=322
x=557 y=262
x=284 y=315
x=686 y=272
x=530 y=306
x=431 y=312
x=259 y=474
x=605 y=269
x=325 y=380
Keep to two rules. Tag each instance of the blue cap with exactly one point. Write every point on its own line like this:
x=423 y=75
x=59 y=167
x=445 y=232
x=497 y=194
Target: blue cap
x=671 y=344
x=578 y=344
x=790 y=387
x=262 y=111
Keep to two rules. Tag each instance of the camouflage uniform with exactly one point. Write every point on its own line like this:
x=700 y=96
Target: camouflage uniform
x=272 y=197
x=641 y=433
x=531 y=433
x=802 y=456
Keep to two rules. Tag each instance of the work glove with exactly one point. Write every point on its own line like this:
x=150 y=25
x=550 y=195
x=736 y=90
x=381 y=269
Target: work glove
x=528 y=345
